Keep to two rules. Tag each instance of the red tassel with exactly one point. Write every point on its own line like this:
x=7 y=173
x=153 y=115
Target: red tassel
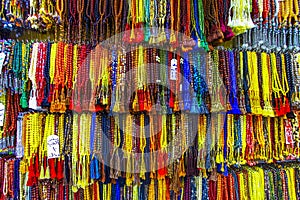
x=126 y=36
x=141 y=99
x=36 y=165
x=162 y=171
x=139 y=33
x=78 y=107
x=287 y=108
x=71 y=105
x=171 y=102
x=98 y=108
x=31 y=174
x=281 y=108
x=51 y=163
x=60 y=173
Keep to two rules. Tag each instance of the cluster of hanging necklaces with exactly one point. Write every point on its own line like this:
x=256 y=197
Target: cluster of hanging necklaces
x=149 y=99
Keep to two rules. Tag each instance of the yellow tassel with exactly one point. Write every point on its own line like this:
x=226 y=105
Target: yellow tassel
x=135 y=195
x=173 y=39
x=268 y=112
x=204 y=173
x=162 y=37
x=74 y=189
x=181 y=168
x=135 y=105
x=117 y=104
x=153 y=39
x=129 y=178
x=132 y=35
x=23 y=167
x=42 y=173
x=47 y=174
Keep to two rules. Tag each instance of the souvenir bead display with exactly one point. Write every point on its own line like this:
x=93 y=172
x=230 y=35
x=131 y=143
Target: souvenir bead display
x=149 y=99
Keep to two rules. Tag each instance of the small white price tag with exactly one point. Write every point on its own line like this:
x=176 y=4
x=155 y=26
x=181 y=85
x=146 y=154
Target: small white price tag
x=32 y=103
x=53 y=146
x=181 y=60
x=2 y=58
x=2 y=111
x=32 y=100
x=173 y=71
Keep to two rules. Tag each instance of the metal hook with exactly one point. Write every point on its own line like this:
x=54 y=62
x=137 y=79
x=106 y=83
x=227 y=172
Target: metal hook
x=249 y=36
x=260 y=23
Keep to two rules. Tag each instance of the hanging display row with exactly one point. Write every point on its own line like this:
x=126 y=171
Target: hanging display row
x=267 y=182
x=149 y=145
x=151 y=21
x=60 y=76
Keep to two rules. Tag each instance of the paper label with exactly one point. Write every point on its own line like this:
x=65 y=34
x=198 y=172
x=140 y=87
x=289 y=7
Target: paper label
x=32 y=103
x=2 y=58
x=173 y=71
x=2 y=111
x=32 y=100
x=53 y=146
